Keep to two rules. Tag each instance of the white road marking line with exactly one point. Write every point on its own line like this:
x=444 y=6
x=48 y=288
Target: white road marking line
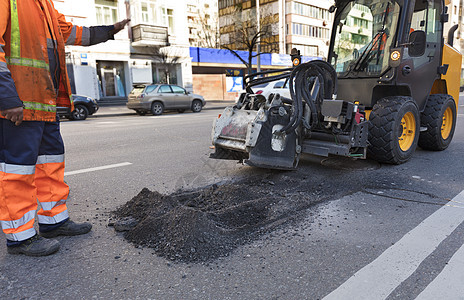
x=165 y=117
x=97 y=168
x=196 y=116
x=105 y=122
x=379 y=278
x=449 y=283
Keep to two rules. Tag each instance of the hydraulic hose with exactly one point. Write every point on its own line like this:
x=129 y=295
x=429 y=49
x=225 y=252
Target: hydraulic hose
x=249 y=82
x=316 y=76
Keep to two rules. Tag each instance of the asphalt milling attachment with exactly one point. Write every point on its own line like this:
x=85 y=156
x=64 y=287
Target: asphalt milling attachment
x=204 y=224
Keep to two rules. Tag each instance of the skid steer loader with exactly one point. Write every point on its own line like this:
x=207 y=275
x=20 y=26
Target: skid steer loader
x=390 y=83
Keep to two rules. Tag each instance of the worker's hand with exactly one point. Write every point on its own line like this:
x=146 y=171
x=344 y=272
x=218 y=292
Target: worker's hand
x=15 y=115
x=119 y=26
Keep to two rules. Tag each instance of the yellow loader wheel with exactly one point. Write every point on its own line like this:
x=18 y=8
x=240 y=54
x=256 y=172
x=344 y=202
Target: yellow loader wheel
x=393 y=130
x=439 y=116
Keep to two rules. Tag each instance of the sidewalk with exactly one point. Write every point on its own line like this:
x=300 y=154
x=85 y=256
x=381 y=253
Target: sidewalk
x=118 y=110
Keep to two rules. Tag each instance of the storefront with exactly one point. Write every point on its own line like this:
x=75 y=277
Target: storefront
x=111 y=79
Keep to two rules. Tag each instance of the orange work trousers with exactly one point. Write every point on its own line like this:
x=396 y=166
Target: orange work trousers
x=31 y=169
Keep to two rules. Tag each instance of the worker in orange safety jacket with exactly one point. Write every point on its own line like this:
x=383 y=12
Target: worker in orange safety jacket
x=33 y=82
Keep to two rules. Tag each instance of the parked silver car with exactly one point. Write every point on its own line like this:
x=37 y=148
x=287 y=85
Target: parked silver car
x=156 y=98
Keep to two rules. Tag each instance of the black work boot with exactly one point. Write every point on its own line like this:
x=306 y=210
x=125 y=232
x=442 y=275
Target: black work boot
x=35 y=246
x=68 y=228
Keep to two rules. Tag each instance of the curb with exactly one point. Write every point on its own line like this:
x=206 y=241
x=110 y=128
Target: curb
x=125 y=111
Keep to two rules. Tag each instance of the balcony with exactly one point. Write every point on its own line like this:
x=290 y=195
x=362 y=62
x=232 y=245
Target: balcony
x=149 y=35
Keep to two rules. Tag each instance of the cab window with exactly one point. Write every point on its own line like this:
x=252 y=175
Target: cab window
x=426 y=17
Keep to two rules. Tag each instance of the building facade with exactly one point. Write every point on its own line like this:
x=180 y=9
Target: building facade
x=153 y=48
x=302 y=24
x=203 y=23
x=308 y=25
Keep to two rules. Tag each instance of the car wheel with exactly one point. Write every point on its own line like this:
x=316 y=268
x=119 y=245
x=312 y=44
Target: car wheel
x=80 y=112
x=181 y=110
x=196 y=106
x=141 y=112
x=157 y=108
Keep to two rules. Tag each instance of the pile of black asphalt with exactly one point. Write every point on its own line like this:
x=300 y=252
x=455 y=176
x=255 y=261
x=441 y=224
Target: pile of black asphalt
x=206 y=223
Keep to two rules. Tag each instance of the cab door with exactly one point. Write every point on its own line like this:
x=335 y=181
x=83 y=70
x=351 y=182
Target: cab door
x=420 y=72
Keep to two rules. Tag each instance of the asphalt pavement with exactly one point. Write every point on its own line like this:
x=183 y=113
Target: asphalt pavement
x=378 y=231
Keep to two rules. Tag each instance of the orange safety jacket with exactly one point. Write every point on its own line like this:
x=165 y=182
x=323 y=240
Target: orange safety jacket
x=24 y=27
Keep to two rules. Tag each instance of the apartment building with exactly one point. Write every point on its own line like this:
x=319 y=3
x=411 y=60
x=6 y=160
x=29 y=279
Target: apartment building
x=154 y=48
x=308 y=25
x=203 y=25
x=302 y=24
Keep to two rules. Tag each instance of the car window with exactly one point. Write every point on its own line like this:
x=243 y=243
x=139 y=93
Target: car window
x=177 y=89
x=279 y=85
x=151 y=88
x=137 y=90
x=262 y=85
x=165 y=89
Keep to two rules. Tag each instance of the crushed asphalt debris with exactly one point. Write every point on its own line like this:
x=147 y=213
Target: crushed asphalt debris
x=204 y=224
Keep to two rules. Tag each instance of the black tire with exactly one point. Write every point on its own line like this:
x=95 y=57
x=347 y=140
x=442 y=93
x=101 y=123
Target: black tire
x=439 y=116
x=157 y=108
x=197 y=106
x=389 y=141
x=141 y=112
x=80 y=112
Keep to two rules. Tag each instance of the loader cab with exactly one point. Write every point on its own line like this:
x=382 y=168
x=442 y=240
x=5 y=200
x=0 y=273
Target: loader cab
x=383 y=48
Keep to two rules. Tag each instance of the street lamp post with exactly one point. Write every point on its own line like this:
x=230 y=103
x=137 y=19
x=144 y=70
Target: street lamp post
x=128 y=16
x=258 y=45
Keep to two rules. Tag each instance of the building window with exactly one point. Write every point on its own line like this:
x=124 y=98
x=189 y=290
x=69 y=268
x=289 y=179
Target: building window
x=192 y=8
x=107 y=12
x=171 y=19
x=144 y=12
x=309 y=30
x=168 y=18
x=359 y=39
x=310 y=11
x=225 y=3
x=305 y=50
x=149 y=13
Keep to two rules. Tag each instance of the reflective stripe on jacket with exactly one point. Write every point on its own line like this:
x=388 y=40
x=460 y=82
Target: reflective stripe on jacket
x=24 y=62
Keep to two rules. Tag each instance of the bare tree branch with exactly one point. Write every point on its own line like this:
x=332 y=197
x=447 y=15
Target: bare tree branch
x=166 y=59
x=209 y=34
x=247 y=37
x=236 y=55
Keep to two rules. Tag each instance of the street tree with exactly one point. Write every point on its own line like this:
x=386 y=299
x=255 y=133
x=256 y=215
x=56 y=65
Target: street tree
x=241 y=33
x=165 y=58
x=208 y=32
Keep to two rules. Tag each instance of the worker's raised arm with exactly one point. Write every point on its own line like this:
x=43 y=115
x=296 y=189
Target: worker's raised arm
x=87 y=36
